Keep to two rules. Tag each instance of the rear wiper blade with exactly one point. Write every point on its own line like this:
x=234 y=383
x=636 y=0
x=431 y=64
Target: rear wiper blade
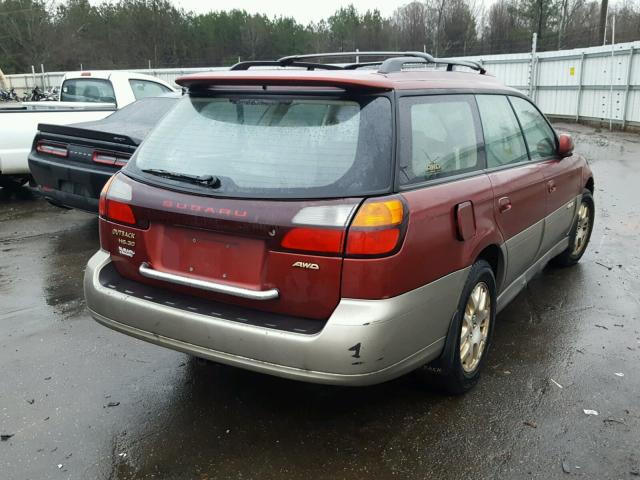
x=207 y=180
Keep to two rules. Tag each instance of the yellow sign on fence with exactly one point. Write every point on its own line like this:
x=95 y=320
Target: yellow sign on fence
x=572 y=71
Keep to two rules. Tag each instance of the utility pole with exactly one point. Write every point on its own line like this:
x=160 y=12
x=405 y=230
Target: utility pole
x=613 y=40
x=563 y=23
x=532 y=65
x=540 y=17
x=602 y=30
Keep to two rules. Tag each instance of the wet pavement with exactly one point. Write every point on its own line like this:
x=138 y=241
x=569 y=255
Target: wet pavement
x=84 y=402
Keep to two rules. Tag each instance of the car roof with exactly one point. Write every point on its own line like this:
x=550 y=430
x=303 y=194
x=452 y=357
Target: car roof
x=363 y=78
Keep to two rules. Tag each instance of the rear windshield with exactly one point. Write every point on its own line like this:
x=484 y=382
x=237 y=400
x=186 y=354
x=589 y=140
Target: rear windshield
x=87 y=90
x=274 y=147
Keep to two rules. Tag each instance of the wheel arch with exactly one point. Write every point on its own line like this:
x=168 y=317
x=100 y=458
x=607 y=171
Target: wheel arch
x=589 y=185
x=495 y=256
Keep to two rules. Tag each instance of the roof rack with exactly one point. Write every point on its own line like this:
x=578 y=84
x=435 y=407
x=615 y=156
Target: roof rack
x=389 y=65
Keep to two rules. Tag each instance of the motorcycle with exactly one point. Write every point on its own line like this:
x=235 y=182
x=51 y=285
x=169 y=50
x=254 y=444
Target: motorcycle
x=9 y=96
x=51 y=95
x=36 y=94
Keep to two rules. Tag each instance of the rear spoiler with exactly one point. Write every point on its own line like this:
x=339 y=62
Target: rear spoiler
x=88 y=134
x=288 y=78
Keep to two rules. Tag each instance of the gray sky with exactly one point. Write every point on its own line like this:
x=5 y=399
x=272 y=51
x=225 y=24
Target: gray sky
x=304 y=11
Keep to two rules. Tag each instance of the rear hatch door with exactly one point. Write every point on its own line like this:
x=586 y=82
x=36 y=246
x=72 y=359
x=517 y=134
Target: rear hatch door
x=255 y=192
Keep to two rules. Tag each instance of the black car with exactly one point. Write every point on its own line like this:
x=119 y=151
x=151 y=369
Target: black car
x=71 y=163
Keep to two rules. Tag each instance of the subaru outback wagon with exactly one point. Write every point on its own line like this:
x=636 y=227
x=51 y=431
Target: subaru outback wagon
x=341 y=224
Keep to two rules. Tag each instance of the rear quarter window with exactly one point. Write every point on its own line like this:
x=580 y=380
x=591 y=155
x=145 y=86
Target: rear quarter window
x=440 y=137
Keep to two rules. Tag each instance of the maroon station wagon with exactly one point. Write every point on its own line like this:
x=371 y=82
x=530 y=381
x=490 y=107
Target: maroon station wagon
x=341 y=224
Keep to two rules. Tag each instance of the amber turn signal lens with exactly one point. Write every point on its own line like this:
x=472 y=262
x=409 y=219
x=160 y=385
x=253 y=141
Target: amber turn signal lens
x=379 y=214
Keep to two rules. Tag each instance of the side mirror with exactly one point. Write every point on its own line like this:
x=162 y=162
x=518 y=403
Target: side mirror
x=565 y=145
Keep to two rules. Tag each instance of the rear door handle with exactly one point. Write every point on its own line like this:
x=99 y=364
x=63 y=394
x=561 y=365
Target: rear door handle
x=551 y=186
x=504 y=204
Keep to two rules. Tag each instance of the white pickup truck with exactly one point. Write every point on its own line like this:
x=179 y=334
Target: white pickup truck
x=84 y=96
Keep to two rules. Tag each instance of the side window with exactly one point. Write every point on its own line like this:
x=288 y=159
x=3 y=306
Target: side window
x=503 y=140
x=145 y=88
x=537 y=132
x=440 y=137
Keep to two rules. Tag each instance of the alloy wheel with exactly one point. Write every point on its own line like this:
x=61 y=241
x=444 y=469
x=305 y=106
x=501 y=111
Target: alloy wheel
x=582 y=231
x=475 y=327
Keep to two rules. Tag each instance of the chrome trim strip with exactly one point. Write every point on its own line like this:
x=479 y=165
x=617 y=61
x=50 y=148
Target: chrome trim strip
x=146 y=271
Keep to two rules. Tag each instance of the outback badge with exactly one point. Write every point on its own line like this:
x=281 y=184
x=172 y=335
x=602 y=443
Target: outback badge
x=307 y=265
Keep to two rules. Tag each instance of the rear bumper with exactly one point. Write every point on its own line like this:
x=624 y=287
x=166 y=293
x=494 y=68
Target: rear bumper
x=68 y=184
x=363 y=342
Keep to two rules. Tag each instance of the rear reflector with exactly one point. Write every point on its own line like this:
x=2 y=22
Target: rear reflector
x=321 y=240
x=52 y=149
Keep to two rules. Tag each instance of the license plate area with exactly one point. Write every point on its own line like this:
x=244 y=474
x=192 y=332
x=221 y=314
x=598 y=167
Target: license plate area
x=210 y=255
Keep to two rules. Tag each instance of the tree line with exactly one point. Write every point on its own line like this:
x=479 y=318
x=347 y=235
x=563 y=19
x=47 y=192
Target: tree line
x=141 y=33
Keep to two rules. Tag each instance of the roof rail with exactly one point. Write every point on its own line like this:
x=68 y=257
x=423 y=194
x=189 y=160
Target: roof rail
x=276 y=63
x=393 y=64
x=396 y=64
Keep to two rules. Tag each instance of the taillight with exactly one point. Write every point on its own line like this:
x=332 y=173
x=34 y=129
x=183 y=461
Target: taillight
x=376 y=229
x=319 y=229
x=319 y=240
x=112 y=204
x=374 y=242
x=109 y=159
x=120 y=212
x=102 y=203
x=52 y=149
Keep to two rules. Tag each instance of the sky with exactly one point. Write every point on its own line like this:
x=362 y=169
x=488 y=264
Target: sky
x=304 y=11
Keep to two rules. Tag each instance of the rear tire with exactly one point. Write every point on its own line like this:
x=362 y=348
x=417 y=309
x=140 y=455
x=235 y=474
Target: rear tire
x=580 y=232
x=458 y=368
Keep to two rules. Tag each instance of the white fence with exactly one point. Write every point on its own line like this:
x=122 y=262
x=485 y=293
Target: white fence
x=596 y=83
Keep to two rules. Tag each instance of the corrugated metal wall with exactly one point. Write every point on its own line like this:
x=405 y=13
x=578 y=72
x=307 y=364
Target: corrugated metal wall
x=597 y=83
x=594 y=83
